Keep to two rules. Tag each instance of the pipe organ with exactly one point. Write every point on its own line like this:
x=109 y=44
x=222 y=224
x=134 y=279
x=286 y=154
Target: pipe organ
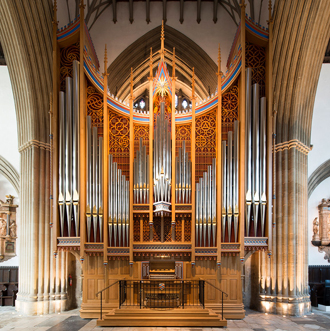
x=255 y=166
x=162 y=163
x=230 y=187
x=94 y=208
x=183 y=176
x=141 y=178
x=206 y=225
x=68 y=199
x=118 y=223
x=133 y=188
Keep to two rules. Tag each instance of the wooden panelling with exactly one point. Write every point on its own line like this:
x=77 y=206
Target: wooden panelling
x=91 y=289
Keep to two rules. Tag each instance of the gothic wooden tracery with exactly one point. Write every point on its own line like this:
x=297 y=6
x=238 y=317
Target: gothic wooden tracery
x=68 y=55
x=95 y=106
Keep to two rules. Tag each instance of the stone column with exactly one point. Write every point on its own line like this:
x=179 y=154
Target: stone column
x=37 y=270
x=286 y=291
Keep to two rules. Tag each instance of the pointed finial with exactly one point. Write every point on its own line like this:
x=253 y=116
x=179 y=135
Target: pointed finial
x=82 y=5
x=193 y=83
x=131 y=82
x=270 y=10
x=105 y=61
x=219 y=60
x=55 y=13
x=173 y=65
x=150 y=63
x=243 y=5
x=162 y=38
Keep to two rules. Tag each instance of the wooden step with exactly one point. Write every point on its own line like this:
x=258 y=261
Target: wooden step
x=160 y=317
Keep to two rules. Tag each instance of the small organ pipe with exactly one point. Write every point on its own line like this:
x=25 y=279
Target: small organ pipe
x=224 y=186
x=62 y=161
x=118 y=189
x=229 y=183
x=183 y=176
x=89 y=178
x=119 y=206
x=110 y=195
x=248 y=149
x=162 y=163
x=255 y=159
x=99 y=188
x=255 y=148
x=115 y=198
x=75 y=144
x=68 y=151
x=141 y=178
x=205 y=207
x=214 y=202
x=235 y=180
x=263 y=135
x=197 y=212
x=94 y=183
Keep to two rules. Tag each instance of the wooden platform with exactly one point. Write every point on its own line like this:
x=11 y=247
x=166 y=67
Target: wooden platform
x=161 y=317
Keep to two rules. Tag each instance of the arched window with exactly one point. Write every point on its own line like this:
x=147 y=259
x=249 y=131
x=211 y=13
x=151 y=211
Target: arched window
x=142 y=104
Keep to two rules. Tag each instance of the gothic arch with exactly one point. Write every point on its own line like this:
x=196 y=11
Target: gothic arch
x=137 y=55
x=8 y=170
x=320 y=174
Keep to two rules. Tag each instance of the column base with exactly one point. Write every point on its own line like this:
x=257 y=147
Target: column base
x=293 y=306
x=30 y=305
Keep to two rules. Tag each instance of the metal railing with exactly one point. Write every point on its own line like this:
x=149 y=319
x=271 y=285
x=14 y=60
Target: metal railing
x=222 y=293
x=100 y=292
x=161 y=293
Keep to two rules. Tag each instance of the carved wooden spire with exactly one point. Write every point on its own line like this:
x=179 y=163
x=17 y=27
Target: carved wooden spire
x=131 y=83
x=162 y=39
x=173 y=63
x=105 y=61
x=270 y=11
x=219 y=60
x=55 y=13
x=150 y=63
x=193 y=84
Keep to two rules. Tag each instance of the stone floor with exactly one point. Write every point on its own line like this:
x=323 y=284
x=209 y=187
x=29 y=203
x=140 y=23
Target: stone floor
x=70 y=321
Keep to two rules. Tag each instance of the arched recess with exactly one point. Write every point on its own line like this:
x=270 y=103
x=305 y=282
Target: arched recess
x=26 y=38
x=188 y=55
x=320 y=174
x=301 y=35
x=8 y=170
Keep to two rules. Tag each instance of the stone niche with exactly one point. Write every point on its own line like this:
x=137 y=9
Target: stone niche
x=321 y=229
x=8 y=228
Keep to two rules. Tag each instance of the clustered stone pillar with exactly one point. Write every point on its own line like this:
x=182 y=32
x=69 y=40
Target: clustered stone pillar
x=284 y=276
x=42 y=279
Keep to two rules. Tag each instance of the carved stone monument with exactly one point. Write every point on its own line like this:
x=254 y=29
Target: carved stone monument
x=8 y=228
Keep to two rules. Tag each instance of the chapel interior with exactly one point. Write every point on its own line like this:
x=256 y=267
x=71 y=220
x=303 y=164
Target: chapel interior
x=164 y=161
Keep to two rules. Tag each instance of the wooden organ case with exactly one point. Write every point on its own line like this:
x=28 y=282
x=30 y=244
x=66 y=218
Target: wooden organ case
x=189 y=189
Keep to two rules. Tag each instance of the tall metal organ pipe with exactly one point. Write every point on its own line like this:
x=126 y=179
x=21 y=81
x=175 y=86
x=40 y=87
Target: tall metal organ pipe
x=162 y=163
x=183 y=176
x=205 y=222
x=68 y=198
x=118 y=214
x=94 y=208
x=255 y=167
x=230 y=211
x=141 y=175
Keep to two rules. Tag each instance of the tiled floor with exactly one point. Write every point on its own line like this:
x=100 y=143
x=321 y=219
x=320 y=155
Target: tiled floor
x=70 y=321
